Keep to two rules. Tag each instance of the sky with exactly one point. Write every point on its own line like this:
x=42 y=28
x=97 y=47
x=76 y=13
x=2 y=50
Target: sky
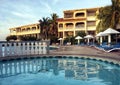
x=14 y=13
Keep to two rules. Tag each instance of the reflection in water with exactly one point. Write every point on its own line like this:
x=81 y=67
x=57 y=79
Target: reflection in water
x=77 y=69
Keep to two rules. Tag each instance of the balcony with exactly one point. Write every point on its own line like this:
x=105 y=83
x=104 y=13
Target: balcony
x=28 y=31
x=60 y=26
x=69 y=33
x=79 y=25
x=68 y=15
x=91 y=15
x=69 y=25
x=91 y=27
x=91 y=23
x=79 y=15
x=91 y=18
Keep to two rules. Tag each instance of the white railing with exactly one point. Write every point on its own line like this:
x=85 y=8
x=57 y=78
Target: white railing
x=23 y=48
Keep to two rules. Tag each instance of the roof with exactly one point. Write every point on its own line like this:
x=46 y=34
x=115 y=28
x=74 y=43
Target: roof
x=81 y=9
x=25 y=25
x=61 y=19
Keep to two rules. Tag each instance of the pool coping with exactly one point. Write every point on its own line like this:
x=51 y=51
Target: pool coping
x=91 y=57
x=88 y=52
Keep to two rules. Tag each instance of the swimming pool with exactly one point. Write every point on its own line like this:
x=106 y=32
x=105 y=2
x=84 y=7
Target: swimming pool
x=58 y=71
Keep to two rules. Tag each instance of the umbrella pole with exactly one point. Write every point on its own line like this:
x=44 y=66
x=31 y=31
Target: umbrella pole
x=101 y=40
x=61 y=42
x=109 y=40
x=78 y=42
x=88 y=41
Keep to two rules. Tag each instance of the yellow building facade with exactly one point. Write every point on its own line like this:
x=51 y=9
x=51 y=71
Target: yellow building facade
x=78 y=20
x=26 y=30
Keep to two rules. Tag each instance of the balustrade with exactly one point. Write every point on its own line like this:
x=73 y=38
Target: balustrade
x=23 y=48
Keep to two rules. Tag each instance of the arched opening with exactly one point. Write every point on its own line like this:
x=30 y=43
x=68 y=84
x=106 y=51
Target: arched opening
x=80 y=25
x=69 y=25
x=79 y=14
x=60 y=25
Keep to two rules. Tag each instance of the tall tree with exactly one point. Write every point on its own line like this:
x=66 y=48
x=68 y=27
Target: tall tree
x=44 y=27
x=53 y=25
x=109 y=16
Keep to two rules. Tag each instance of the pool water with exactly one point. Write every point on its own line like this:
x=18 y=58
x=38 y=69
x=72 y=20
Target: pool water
x=58 y=71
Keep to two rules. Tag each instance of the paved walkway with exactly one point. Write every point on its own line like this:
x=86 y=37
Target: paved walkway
x=86 y=51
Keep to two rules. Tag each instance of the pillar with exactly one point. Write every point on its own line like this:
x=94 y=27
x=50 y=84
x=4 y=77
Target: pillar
x=101 y=40
x=109 y=39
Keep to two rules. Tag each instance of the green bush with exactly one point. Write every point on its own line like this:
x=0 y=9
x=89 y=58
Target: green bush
x=81 y=34
x=11 y=37
x=70 y=39
x=27 y=38
x=53 y=39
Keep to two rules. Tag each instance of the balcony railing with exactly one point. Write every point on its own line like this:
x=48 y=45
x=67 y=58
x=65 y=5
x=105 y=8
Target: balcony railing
x=81 y=26
x=23 y=48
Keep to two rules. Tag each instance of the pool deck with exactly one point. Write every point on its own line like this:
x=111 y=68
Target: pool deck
x=86 y=51
x=75 y=50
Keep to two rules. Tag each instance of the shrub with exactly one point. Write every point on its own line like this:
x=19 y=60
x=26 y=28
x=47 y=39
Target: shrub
x=11 y=37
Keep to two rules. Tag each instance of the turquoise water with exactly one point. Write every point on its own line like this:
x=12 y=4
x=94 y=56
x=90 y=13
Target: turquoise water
x=58 y=71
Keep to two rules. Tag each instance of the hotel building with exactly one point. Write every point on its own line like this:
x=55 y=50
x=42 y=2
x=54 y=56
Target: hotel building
x=73 y=22
x=26 y=30
x=78 y=20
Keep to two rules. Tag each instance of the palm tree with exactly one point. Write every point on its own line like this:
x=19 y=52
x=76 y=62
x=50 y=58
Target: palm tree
x=44 y=27
x=53 y=25
x=109 y=16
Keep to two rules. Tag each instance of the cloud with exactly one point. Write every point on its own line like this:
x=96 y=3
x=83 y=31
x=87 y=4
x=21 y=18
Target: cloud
x=46 y=6
x=17 y=14
x=55 y=2
x=22 y=14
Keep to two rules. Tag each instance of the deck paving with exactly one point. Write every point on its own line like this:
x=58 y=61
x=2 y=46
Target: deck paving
x=86 y=51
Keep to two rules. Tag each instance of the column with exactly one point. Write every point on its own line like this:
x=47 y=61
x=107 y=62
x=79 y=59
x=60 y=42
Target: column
x=1 y=50
x=86 y=30
x=63 y=34
x=73 y=29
